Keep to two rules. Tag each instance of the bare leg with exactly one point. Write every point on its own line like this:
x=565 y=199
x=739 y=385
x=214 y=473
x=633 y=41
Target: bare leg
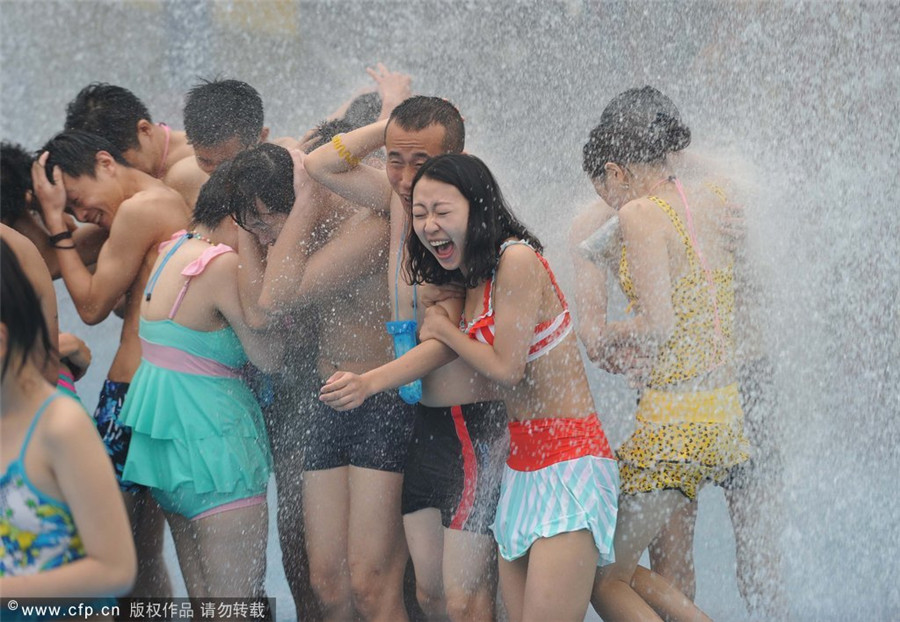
x=148 y=527
x=233 y=551
x=223 y=555
x=292 y=534
x=561 y=573
x=513 y=576
x=188 y=552
x=470 y=575
x=326 y=509
x=425 y=539
x=641 y=517
x=758 y=556
x=672 y=551
x=377 y=545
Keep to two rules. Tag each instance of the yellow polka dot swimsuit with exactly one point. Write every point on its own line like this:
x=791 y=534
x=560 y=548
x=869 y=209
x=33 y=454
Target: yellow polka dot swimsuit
x=683 y=439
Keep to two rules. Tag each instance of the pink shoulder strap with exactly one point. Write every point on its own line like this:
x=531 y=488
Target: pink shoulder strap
x=197 y=267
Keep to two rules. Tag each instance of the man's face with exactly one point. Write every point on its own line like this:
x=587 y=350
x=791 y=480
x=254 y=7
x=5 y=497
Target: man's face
x=406 y=152
x=93 y=199
x=209 y=157
x=265 y=224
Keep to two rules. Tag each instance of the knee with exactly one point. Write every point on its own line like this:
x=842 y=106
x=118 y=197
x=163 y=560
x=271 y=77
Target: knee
x=369 y=586
x=463 y=604
x=331 y=585
x=430 y=600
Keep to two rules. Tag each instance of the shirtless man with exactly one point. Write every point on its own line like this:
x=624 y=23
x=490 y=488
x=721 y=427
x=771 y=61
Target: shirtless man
x=85 y=174
x=460 y=428
x=221 y=119
x=117 y=115
x=331 y=256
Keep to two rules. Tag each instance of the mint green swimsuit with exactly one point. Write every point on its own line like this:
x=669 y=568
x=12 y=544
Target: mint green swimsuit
x=198 y=437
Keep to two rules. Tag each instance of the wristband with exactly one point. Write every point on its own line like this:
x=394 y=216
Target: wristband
x=59 y=237
x=343 y=151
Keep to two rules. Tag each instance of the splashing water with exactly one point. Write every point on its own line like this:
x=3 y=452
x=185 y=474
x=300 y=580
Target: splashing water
x=806 y=93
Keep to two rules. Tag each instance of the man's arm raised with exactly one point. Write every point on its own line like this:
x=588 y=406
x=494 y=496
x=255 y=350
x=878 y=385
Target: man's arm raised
x=135 y=228
x=337 y=166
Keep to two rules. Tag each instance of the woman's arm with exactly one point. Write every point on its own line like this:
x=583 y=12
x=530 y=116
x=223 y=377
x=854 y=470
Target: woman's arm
x=258 y=338
x=345 y=391
x=590 y=282
x=517 y=302
x=643 y=233
x=88 y=486
x=250 y=275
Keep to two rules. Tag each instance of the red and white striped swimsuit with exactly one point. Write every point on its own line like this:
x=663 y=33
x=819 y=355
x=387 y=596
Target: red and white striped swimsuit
x=547 y=335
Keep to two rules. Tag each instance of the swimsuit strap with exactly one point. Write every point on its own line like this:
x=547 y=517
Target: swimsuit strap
x=710 y=283
x=397 y=290
x=693 y=259
x=489 y=290
x=151 y=282
x=34 y=422
x=197 y=267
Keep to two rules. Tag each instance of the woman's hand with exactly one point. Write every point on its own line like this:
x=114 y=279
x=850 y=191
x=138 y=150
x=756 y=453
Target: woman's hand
x=50 y=195
x=345 y=391
x=435 y=324
x=75 y=353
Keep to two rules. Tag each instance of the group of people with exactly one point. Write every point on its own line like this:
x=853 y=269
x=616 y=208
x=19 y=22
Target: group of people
x=369 y=266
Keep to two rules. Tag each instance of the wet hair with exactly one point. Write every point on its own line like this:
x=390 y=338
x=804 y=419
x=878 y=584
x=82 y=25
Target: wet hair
x=639 y=125
x=20 y=312
x=325 y=131
x=219 y=110
x=419 y=112
x=15 y=181
x=75 y=153
x=213 y=201
x=364 y=110
x=110 y=111
x=491 y=221
x=265 y=173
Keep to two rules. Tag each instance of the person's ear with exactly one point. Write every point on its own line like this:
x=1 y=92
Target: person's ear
x=615 y=172
x=105 y=162
x=144 y=129
x=264 y=135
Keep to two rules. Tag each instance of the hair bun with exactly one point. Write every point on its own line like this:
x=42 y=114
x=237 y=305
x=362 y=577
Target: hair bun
x=667 y=133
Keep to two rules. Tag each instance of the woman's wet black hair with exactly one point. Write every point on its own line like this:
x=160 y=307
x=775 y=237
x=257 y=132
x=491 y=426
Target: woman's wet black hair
x=15 y=181
x=20 y=312
x=213 y=201
x=491 y=222
x=265 y=173
x=639 y=125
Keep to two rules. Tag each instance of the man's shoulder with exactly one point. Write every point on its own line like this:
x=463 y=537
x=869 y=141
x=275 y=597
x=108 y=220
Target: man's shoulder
x=158 y=199
x=151 y=214
x=186 y=178
x=287 y=142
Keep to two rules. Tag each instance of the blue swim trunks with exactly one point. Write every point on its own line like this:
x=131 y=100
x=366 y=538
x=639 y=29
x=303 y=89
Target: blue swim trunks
x=115 y=436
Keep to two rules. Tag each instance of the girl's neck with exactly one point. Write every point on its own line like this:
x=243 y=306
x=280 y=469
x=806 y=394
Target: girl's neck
x=23 y=391
x=224 y=233
x=650 y=177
